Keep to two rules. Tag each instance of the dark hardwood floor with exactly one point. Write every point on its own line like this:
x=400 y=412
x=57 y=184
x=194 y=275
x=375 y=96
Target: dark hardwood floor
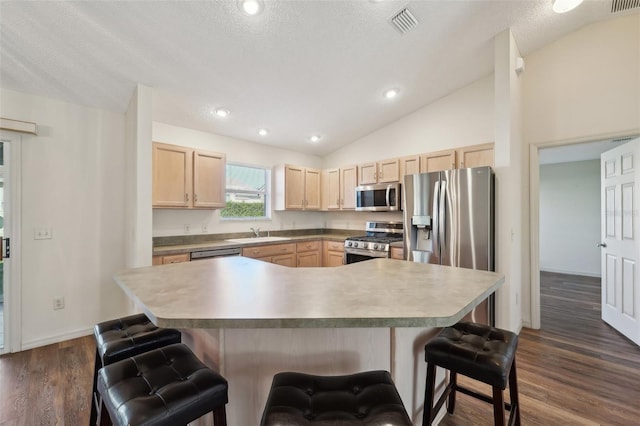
x=576 y=370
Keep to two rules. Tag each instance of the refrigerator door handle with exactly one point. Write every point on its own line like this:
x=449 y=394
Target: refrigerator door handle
x=435 y=235
x=441 y=216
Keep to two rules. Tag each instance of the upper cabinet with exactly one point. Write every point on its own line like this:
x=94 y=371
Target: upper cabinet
x=187 y=178
x=297 y=188
x=379 y=172
x=409 y=166
x=475 y=156
x=338 y=188
x=437 y=161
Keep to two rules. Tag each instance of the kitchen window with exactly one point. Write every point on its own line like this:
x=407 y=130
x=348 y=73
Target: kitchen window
x=246 y=192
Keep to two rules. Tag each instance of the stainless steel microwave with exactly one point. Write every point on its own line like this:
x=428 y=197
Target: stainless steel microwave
x=381 y=197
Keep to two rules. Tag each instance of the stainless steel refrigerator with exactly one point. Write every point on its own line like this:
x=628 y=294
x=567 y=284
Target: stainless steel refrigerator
x=449 y=220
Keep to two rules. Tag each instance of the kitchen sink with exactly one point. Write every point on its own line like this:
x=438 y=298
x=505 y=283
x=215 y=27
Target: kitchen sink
x=257 y=239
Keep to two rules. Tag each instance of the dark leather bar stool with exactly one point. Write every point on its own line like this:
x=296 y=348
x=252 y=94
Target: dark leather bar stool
x=362 y=399
x=123 y=338
x=163 y=387
x=484 y=353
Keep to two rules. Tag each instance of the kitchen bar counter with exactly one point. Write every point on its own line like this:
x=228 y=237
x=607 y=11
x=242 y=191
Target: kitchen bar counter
x=250 y=319
x=238 y=292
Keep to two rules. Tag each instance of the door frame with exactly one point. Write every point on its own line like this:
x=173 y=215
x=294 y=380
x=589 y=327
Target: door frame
x=534 y=212
x=12 y=274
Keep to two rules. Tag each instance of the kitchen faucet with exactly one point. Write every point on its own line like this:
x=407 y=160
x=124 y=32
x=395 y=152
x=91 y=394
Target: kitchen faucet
x=256 y=231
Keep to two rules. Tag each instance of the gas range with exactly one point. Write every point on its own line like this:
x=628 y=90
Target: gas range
x=376 y=242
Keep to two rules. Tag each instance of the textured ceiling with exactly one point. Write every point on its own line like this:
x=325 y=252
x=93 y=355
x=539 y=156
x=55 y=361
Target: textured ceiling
x=300 y=68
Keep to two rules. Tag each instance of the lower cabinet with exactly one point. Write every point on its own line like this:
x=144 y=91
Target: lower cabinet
x=282 y=254
x=308 y=254
x=397 y=253
x=333 y=253
x=171 y=258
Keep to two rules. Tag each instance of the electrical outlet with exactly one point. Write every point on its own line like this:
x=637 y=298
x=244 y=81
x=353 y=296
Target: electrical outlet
x=42 y=233
x=58 y=303
x=187 y=228
x=205 y=228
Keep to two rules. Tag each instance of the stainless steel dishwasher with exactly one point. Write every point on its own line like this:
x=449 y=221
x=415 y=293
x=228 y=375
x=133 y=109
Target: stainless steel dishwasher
x=222 y=252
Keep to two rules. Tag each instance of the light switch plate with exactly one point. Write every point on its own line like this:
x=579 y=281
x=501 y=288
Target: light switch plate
x=42 y=233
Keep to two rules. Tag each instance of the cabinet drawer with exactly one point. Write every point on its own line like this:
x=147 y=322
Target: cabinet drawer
x=176 y=258
x=270 y=250
x=307 y=246
x=335 y=245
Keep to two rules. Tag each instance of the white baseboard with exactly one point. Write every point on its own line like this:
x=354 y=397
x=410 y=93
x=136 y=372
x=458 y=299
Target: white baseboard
x=56 y=339
x=563 y=271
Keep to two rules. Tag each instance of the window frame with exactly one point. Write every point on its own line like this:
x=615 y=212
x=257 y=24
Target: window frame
x=266 y=192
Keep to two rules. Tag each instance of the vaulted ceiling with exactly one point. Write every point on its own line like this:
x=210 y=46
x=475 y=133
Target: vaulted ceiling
x=299 y=68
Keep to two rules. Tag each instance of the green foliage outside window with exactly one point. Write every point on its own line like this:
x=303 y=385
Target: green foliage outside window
x=240 y=209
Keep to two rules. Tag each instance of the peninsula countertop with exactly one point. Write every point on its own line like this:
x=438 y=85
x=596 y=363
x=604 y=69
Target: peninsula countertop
x=238 y=292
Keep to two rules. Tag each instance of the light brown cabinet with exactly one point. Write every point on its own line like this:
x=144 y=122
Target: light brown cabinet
x=332 y=253
x=379 y=172
x=308 y=254
x=409 y=166
x=282 y=254
x=187 y=178
x=171 y=258
x=397 y=253
x=338 y=188
x=297 y=188
x=475 y=156
x=437 y=161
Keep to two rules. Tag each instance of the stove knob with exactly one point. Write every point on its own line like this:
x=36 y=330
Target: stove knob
x=350 y=243
x=375 y=247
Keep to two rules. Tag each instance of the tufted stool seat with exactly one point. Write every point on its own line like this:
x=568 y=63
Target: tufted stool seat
x=362 y=399
x=167 y=386
x=123 y=338
x=481 y=352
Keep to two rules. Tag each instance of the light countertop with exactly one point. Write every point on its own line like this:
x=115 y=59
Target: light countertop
x=238 y=292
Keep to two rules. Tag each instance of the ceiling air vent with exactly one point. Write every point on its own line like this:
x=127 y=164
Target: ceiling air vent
x=404 y=21
x=620 y=5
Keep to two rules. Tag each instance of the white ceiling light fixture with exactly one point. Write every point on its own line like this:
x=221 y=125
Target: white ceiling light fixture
x=251 y=7
x=391 y=93
x=263 y=132
x=221 y=112
x=562 y=6
x=314 y=138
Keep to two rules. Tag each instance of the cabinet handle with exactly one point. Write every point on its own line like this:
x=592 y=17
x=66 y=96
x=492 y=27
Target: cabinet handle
x=195 y=198
x=338 y=201
x=186 y=197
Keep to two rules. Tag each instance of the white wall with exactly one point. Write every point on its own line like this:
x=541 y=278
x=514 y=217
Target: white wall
x=570 y=217
x=72 y=182
x=169 y=222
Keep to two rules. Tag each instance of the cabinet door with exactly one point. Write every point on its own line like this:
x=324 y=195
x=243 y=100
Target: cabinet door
x=397 y=253
x=285 y=260
x=171 y=175
x=349 y=181
x=334 y=258
x=331 y=189
x=475 y=156
x=156 y=260
x=367 y=173
x=176 y=258
x=208 y=179
x=312 y=189
x=409 y=166
x=389 y=171
x=437 y=161
x=309 y=259
x=294 y=187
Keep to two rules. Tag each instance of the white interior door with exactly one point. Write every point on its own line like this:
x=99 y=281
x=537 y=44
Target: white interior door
x=620 y=180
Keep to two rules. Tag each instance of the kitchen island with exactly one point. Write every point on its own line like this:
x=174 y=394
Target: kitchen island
x=251 y=319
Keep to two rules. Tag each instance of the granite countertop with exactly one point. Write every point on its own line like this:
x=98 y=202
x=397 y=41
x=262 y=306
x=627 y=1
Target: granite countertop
x=221 y=243
x=238 y=292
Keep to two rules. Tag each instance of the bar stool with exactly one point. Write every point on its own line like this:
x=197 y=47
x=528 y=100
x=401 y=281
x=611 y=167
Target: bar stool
x=122 y=338
x=481 y=352
x=164 y=387
x=362 y=399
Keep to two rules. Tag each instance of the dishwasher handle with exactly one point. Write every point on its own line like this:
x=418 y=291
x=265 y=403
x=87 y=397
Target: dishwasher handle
x=206 y=254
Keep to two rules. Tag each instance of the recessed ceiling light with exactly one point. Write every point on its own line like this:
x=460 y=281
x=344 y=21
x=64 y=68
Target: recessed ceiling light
x=251 y=7
x=263 y=132
x=391 y=93
x=221 y=112
x=562 y=6
x=314 y=138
